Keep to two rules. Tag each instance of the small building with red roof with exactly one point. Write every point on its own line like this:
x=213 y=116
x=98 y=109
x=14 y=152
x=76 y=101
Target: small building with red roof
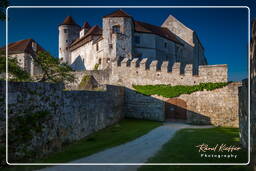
x=25 y=51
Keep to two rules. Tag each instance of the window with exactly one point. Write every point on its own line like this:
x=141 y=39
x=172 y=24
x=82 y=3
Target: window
x=110 y=46
x=165 y=45
x=137 y=39
x=97 y=46
x=66 y=41
x=65 y=30
x=116 y=29
x=99 y=61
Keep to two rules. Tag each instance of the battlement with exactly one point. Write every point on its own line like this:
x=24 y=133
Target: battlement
x=148 y=72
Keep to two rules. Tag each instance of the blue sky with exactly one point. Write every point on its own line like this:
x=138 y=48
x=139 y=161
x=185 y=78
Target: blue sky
x=223 y=32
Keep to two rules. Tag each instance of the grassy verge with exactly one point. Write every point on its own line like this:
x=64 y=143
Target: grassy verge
x=182 y=149
x=174 y=91
x=124 y=131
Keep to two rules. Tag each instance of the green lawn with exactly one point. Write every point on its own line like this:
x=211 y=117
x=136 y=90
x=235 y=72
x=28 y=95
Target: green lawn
x=181 y=149
x=124 y=131
x=174 y=91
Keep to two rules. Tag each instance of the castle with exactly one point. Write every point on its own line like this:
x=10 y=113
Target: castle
x=129 y=52
x=122 y=37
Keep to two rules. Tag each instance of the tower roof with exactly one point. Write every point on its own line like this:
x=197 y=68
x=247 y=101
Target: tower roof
x=117 y=13
x=69 y=21
x=86 y=25
x=93 y=32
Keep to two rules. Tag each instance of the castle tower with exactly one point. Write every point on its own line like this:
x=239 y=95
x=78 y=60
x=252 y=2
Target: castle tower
x=118 y=31
x=84 y=29
x=68 y=31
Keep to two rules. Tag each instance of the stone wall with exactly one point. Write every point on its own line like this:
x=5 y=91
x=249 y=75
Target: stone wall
x=101 y=76
x=243 y=113
x=244 y=100
x=43 y=116
x=218 y=107
x=145 y=73
x=253 y=118
x=143 y=107
x=253 y=95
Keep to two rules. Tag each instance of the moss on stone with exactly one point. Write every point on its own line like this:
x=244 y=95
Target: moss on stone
x=23 y=128
x=88 y=82
x=96 y=66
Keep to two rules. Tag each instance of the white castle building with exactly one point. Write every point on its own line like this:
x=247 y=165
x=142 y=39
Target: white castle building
x=121 y=36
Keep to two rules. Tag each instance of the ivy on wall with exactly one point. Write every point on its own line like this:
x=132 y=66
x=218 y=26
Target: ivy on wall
x=174 y=91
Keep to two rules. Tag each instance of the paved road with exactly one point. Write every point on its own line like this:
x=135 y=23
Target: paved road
x=136 y=151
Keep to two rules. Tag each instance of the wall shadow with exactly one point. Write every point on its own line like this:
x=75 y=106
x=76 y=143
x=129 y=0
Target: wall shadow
x=142 y=106
x=78 y=64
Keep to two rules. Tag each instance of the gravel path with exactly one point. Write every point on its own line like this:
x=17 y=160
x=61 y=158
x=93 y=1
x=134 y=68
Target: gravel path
x=136 y=151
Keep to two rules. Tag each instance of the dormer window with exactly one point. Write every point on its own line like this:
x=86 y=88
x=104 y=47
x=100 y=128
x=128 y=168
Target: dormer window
x=116 y=29
x=34 y=46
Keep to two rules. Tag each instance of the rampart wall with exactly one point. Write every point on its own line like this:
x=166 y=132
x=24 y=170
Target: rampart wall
x=43 y=116
x=128 y=73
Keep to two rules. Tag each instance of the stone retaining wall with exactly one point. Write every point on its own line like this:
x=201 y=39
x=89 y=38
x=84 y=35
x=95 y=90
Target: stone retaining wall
x=143 y=107
x=243 y=113
x=218 y=107
x=43 y=116
x=243 y=103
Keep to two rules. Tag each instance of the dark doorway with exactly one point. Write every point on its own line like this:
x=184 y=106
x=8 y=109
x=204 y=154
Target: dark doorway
x=175 y=109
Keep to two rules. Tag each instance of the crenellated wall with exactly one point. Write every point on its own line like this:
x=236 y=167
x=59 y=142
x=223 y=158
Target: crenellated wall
x=145 y=72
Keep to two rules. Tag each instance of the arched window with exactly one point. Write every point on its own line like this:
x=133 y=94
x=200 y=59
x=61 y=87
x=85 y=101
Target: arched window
x=116 y=29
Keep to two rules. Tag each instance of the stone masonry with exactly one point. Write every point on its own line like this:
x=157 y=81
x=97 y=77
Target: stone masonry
x=218 y=107
x=144 y=73
x=243 y=103
x=135 y=72
x=43 y=116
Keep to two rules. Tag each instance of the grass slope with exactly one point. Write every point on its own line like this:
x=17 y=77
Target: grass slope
x=174 y=91
x=126 y=130
x=181 y=149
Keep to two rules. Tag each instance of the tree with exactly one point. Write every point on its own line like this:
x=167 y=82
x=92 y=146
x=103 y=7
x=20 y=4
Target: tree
x=3 y=5
x=52 y=69
x=15 y=72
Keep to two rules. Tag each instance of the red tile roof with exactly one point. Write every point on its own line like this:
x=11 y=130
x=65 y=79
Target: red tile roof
x=90 y=34
x=142 y=27
x=118 y=13
x=69 y=21
x=95 y=30
x=22 y=46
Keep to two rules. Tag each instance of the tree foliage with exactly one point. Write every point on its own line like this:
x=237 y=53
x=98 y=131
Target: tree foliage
x=52 y=69
x=3 y=5
x=16 y=73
